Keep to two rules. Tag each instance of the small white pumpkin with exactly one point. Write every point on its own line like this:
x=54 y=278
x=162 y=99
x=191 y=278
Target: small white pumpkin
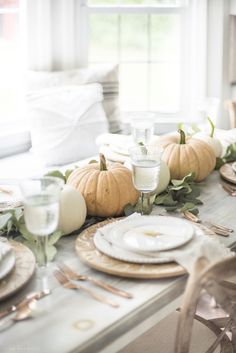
x=164 y=176
x=210 y=139
x=73 y=210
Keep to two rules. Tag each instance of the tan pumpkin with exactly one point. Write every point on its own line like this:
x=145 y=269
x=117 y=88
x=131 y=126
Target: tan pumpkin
x=106 y=189
x=184 y=155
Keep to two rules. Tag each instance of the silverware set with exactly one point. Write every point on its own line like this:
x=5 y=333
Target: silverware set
x=229 y=189
x=216 y=228
x=67 y=277
x=78 y=277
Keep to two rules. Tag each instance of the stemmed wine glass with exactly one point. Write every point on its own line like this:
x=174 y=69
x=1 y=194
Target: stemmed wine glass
x=145 y=162
x=41 y=210
x=142 y=127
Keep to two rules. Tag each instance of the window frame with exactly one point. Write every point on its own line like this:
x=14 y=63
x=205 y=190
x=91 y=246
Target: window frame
x=15 y=138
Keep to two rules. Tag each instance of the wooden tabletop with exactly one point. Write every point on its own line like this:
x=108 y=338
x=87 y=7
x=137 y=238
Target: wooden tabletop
x=70 y=321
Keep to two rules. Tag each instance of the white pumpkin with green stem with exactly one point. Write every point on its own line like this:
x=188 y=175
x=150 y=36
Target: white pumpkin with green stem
x=164 y=176
x=210 y=139
x=73 y=210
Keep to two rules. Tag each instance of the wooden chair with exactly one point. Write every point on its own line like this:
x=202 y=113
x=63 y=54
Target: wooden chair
x=183 y=331
x=230 y=105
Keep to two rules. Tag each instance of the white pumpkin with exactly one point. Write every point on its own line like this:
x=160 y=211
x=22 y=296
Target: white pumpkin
x=164 y=176
x=212 y=141
x=73 y=210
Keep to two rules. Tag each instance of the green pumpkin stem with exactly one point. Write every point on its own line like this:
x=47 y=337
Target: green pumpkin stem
x=103 y=165
x=212 y=127
x=182 y=137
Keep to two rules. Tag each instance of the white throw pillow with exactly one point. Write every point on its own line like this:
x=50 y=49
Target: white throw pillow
x=106 y=75
x=65 y=122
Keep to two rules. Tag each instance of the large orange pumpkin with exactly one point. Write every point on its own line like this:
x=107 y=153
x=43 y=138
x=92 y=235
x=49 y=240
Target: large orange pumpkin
x=184 y=155
x=106 y=189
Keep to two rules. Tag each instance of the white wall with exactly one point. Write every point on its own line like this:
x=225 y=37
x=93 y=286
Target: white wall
x=233 y=12
x=218 y=56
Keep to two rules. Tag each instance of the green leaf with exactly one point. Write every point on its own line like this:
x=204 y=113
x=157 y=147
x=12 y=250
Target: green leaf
x=25 y=233
x=9 y=226
x=57 y=174
x=165 y=200
x=93 y=161
x=195 y=192
x=187 y=207
x=68 y=173
x=33 y=246
x=4 y=218
x=160 y=199
x=219 y=163
x=152 y=199
x=55 y=237
x=18 y=213
x=187 y=179
x=51 y=252
x=128 y=210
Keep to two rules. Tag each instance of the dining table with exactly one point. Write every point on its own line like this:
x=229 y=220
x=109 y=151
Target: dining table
x=70 y=321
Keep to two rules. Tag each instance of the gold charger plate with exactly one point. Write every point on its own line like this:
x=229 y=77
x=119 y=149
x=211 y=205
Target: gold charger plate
x=226 y=171
x=88 y=254
x=22 y=272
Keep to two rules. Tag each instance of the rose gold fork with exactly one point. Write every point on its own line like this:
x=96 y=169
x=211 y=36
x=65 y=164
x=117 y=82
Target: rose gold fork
x=66 y=283
x=76 y=276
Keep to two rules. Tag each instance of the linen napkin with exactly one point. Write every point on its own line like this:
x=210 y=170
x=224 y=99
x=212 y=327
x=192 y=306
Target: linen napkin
x=186 y=255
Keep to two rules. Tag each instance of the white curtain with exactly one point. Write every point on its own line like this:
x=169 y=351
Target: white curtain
x=56 y=29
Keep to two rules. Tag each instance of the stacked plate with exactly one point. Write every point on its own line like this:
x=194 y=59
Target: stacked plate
x=10 y=197
x=7 y=259
x=144 y=239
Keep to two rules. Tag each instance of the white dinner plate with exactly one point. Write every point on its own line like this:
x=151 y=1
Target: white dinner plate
x=151 y=233
x=113 y=244
x=7 y=263
x=121 y=254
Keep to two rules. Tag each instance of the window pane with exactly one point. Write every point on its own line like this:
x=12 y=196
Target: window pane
x=164 y=87
x=134 y=37
x=10 y=67
x=133 y=86
x=165 y=37
x=103 y=38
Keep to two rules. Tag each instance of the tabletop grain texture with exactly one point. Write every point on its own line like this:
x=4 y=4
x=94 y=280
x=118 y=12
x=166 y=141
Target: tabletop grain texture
x=54 y=328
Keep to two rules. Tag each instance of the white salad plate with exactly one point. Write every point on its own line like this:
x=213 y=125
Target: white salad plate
x=152 y=233
x=136 y=240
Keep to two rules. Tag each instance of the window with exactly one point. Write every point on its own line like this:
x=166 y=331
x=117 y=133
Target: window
x=146 y=38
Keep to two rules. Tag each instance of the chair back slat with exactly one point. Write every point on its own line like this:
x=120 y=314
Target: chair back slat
x=210 y=277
